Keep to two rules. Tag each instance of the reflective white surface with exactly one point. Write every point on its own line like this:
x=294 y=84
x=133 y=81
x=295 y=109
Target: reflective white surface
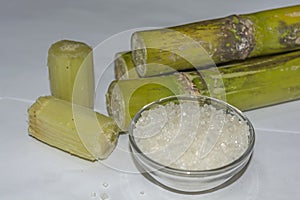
x=32 y=170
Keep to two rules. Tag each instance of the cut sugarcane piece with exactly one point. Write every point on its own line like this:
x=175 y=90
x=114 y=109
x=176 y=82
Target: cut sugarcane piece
x=124 y=66
x=247 y=85
x=72 y=128
x=123 y=94
x=234 y=37
x=71 y=72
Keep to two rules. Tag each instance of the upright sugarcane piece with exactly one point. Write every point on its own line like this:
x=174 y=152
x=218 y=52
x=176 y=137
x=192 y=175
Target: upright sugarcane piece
x=235 y=37
x=72 y=128
x=124 y=66
x=71 y=72
x=247 y=85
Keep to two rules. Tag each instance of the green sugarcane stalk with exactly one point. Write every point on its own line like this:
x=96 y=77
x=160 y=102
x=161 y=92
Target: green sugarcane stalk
x=71 y=72
x=124 y=66
x=198 y=44
x=250 y=84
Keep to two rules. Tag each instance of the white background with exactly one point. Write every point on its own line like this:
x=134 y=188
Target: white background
x=32 y=170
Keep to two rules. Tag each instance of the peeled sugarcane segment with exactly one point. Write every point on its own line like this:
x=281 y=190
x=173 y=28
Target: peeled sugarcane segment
x=247 y=85
x=72 y=128
x=71 y=72
x=235 y=37
x=124 y=66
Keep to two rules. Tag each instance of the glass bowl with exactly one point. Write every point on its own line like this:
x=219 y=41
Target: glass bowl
x=191 y=180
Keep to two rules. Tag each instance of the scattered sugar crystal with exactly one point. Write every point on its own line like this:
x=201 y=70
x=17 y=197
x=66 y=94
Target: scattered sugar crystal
x=93 y=194
x=192 y=137
x=104 y=196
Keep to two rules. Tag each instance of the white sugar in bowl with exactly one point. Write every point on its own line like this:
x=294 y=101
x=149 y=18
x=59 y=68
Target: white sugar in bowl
x=191 y=144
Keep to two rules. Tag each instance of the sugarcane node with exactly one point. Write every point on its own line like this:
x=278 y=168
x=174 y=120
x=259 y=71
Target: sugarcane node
x=290 y=35
x=237 y=39
x=199 y=85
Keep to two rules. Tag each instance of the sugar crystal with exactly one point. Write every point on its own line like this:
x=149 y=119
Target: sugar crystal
x=191 y=137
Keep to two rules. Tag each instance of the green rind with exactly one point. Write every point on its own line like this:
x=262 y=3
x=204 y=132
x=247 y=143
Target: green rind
x=263 y=82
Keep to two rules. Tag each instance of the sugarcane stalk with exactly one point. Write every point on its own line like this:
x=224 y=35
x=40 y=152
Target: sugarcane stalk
x=71 y=72
x=124 y=66
x=235 y=37
x=250 y=84
x=73 y=128
x=122 y=95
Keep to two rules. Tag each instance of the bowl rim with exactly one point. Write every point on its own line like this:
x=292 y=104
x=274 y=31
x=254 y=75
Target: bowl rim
x=182 y=172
